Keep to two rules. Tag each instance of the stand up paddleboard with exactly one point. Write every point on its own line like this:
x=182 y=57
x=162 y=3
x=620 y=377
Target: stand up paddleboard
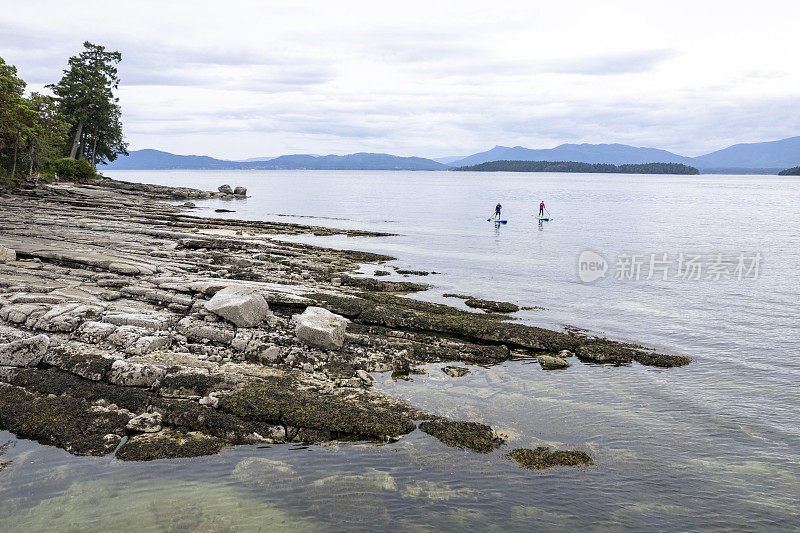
x=497 y=221
x=545 y=219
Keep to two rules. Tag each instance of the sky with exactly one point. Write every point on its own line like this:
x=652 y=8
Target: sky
x=240 y=79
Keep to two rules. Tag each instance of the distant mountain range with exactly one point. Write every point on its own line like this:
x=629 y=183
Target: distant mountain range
x=763 y=157
x=157 y=160
x=766 y=156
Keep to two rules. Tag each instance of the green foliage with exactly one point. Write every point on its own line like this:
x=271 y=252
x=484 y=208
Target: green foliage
x=36 y=130
x=86 y=94
x=574 y=166
x=70 y=169
x=794 y=171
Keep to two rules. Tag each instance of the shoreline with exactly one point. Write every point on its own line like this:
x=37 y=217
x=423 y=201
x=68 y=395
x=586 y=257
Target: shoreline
x=107 y=343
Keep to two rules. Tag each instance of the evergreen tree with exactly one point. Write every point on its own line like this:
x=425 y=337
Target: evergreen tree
x=86 y=95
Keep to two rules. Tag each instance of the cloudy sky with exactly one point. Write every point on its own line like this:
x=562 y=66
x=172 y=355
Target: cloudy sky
x=236 y=79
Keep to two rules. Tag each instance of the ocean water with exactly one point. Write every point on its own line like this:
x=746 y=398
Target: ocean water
x=714 y=445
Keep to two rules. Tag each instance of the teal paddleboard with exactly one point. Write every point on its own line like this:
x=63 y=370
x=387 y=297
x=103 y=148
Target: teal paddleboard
x=498 y=221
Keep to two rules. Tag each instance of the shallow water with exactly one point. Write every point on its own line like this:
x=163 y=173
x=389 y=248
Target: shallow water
x=714 y=445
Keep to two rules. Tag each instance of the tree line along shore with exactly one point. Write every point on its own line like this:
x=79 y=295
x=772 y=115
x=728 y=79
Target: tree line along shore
x=68 y=134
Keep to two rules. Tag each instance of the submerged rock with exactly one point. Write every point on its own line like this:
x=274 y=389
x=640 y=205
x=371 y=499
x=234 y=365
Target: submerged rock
x=24 y=352
x=437 y=492
x=353 y=501
x=542 y=457
x=549 y=362
x=242 y=306
x=478 y=437
x=320 y=328
x=266 y=474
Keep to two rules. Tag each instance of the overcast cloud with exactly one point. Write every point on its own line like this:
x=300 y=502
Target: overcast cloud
x=238 y=79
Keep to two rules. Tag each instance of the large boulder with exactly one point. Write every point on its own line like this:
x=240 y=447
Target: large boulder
x=24 y=352
x=239 y=305
x=320 y=328
x=240 y=191
x=7 y=255
x=550 y=362
x=225 y=189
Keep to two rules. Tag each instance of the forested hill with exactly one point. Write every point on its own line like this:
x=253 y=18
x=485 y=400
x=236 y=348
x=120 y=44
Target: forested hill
x=574 y=166
x=794 y=171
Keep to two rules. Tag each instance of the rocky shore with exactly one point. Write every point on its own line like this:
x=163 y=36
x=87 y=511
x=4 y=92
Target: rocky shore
x=130 y=326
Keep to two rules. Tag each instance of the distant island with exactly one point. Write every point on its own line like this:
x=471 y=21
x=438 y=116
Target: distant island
x=575 y=166
x=794 y=171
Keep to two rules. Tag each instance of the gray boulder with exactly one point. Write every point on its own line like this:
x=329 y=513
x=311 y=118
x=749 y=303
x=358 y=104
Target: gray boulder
x=24 y=352
x=7 y=255
x=320 y=328
x=239 y=305
x=240 y=191
x=128 y=374
x=225 y=189
x=549 y=362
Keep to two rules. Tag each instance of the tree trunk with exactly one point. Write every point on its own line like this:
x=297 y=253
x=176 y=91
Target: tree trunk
x=94 y=154
x=30 y=167
x=76 y=142
x=14 y=168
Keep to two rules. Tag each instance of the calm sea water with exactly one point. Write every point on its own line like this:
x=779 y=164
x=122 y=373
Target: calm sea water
x=714 y=445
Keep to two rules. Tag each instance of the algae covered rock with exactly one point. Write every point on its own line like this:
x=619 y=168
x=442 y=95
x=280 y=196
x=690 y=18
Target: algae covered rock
x=477 y=437
x=491 y=306
x=63 y=421
x=541 y=457
x=145 y=423
x=456 y=371
x=240 y=305
x=24 y=352
x=275 y=401
x=168 y=444
x=320 y=328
